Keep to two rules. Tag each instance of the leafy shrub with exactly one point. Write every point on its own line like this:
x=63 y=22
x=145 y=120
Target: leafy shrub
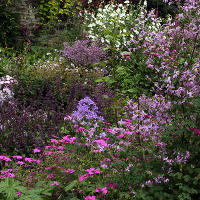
x=52 y=11
x=8 y=26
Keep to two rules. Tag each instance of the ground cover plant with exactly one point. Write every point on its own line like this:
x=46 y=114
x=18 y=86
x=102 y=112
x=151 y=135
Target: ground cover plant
x=115 y=115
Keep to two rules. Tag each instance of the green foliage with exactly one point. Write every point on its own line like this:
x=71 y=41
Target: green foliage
x=131 y=74
x=11 y=189
x=9 y=28
x=53 y=11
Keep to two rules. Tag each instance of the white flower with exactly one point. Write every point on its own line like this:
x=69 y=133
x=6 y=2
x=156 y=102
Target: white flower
x=145 y=3
x=136 y=32
x=127 y=2
x=91 y=25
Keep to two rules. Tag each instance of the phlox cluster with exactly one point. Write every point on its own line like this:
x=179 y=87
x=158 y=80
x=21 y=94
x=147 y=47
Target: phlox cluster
x=86 y=110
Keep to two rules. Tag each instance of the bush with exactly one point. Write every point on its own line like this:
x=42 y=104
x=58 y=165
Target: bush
x=55 y=11
x=9 y=29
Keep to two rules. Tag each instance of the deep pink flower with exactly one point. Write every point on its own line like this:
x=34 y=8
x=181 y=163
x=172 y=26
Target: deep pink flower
x=50 y=176
x=90 y=171
x=18 y=194
x=103 y=190
x=196 y=131
x=97 y=171
x=98 y=189
x=112 y=185
x=84 y=176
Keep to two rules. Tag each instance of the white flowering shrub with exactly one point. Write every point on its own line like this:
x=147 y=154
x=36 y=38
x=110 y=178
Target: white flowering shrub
x=113 y=24
x=5 y=90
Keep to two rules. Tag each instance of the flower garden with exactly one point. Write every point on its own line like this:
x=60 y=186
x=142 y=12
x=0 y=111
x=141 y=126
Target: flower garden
x=113 y=114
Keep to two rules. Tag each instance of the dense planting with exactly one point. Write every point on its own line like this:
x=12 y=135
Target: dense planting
x=113 y=115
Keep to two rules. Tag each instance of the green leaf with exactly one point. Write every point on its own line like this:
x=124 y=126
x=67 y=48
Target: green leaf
x=127 y=52
x=70 y=186
x=186 y=178
x=105 y=96
x=99 y=80
x=99 y=63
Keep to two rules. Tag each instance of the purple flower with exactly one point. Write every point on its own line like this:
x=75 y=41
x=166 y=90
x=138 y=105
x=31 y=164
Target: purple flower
x=86 y=110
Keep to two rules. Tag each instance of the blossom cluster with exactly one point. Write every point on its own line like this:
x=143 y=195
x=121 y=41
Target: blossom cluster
x=6 y=92
x=86 y=110
x=112 y=23
x=83 y=52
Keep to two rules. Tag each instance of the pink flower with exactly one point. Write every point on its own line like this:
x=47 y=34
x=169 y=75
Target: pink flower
x=90 y=171
x=112 y=185
x=20 y=163
x=55 y=183
x=98 y=189
x=90 y=198
x=10 y=175
x=68 y=171
x=84 y=176
x=196 y=131
x=50 y=176
x=54 y=141
x=5 y=158
x=18 y=194
x=17 y=157
x=60 y=147
x=104 y=190
x=28 y=159
x=36 y=150
x=97 y=171
x=120 y=136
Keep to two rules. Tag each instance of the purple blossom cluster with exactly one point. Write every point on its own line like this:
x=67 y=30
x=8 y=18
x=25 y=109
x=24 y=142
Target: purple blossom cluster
x=83 y=52
x=150 y=115
x=86 y=110
x=169 y=53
